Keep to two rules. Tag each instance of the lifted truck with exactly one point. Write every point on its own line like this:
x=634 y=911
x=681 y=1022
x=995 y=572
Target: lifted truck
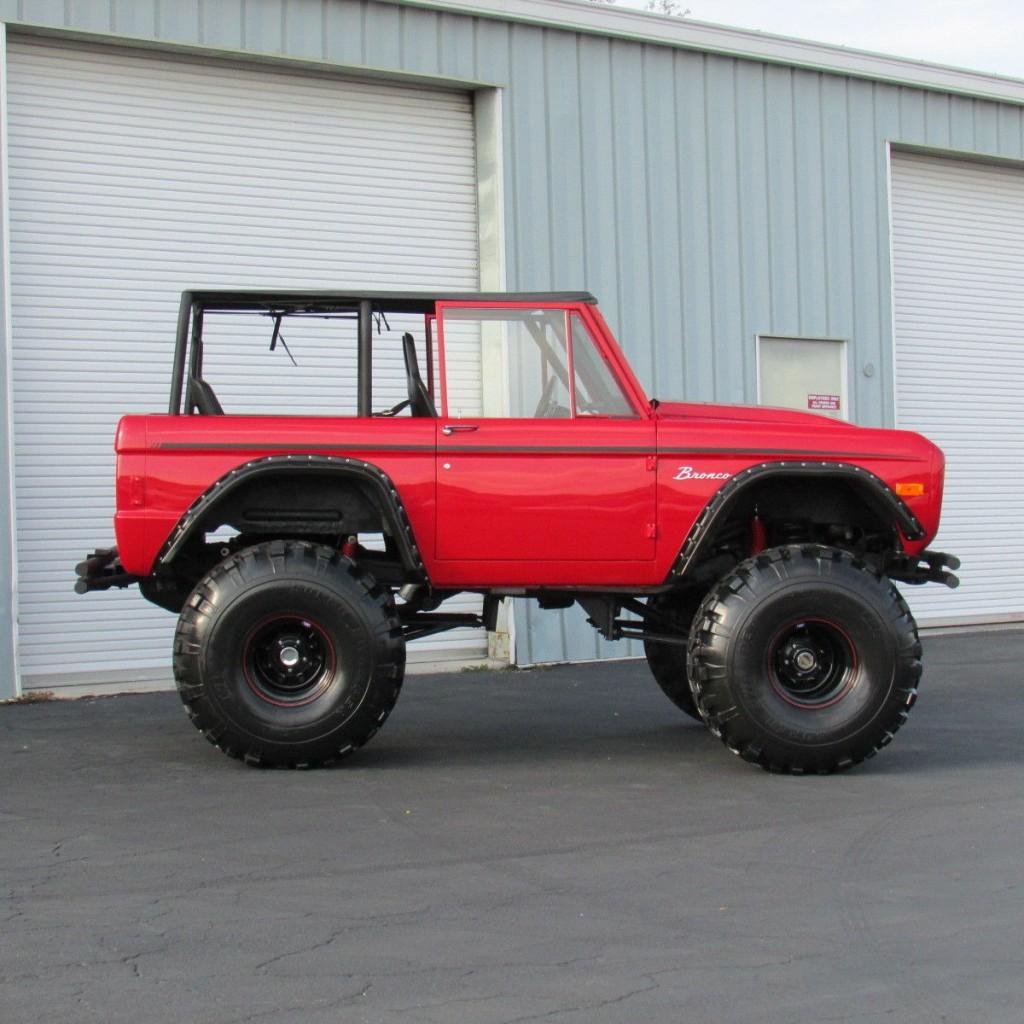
x=752 y=550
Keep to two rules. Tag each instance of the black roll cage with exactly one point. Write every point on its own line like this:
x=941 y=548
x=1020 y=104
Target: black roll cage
x=361 y=306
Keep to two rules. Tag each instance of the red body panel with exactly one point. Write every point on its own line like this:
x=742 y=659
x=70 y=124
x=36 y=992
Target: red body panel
x=577 y=502
x=184 y=455
x=547 y=490
x=697 y=443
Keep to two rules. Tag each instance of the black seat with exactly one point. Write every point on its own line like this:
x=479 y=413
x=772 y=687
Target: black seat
x=201 y=398
x=420 y=402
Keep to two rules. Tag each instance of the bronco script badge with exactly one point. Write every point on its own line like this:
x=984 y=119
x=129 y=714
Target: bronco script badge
x=689 y=473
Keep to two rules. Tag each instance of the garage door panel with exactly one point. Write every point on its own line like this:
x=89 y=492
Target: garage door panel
x=134 y=175
x=958 y=243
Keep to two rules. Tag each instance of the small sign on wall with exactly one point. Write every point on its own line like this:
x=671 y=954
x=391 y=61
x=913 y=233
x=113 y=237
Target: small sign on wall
x=823 y=403
x=803 y=373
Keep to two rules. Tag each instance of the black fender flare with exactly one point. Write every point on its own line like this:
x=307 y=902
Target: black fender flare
x=878 y=493
x=380 y=485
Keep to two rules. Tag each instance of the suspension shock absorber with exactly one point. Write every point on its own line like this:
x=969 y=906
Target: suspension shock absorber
x=758 y=534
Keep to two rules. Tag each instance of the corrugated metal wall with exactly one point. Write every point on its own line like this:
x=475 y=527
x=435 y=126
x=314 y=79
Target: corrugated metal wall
x=703 y=199
x=958 y=228
x=123 y=192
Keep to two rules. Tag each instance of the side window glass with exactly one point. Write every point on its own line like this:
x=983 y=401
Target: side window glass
x=506 y=363
x=597 y=392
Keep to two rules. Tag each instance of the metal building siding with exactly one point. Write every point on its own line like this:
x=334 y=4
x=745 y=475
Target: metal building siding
x=703 y=198
x=768 y=214
x=958 y=229
x=134 y=175
x=781 y=223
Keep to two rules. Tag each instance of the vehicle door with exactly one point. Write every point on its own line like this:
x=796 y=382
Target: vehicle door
x=549 y=461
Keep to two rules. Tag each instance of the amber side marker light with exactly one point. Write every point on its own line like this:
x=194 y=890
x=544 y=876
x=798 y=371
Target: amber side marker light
x=913 y=490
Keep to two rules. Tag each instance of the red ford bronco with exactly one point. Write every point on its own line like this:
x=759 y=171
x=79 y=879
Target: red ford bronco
x=752 y=550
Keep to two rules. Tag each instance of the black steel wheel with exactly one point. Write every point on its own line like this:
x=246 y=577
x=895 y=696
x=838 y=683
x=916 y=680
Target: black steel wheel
x=804 y=659
x=812 y=662
x=286 y=655
x=672 y=613
x=289 y=660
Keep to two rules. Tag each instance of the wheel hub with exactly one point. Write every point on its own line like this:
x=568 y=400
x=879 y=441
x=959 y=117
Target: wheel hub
x=812 y=663
x=805 y=660
x=288 y=660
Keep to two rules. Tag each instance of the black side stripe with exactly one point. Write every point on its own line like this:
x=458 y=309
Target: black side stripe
x=539 y=449
x=801 y=453
x=298 y=448
x=513 y=449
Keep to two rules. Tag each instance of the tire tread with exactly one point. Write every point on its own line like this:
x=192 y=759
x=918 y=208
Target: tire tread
x=707 y=676
x=235 y=573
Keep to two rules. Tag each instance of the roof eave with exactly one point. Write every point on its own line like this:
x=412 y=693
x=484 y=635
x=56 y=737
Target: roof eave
x=642 y=26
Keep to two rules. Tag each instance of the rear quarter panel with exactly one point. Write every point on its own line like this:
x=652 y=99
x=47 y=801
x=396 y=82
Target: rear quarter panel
x=179 y=457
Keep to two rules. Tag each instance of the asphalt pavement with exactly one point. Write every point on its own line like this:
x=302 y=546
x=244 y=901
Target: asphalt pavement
x=554 y=845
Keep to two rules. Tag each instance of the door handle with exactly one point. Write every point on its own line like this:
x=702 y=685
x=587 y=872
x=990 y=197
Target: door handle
x=459 y=428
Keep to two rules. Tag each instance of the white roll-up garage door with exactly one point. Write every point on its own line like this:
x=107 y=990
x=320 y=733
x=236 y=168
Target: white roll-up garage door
x=958 y=243
x=134 y=175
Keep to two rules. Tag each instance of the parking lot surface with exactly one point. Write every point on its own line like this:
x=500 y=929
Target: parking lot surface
x=557 y=845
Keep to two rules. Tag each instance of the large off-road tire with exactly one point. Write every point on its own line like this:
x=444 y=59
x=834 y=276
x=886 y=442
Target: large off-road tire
x=673 y=613
x=287 y=655
x=804 y=659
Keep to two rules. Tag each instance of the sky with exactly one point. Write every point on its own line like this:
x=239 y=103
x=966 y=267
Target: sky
x=981 y=35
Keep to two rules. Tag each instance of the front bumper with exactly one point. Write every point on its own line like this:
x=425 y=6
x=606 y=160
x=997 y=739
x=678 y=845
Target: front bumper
x=102 y=570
